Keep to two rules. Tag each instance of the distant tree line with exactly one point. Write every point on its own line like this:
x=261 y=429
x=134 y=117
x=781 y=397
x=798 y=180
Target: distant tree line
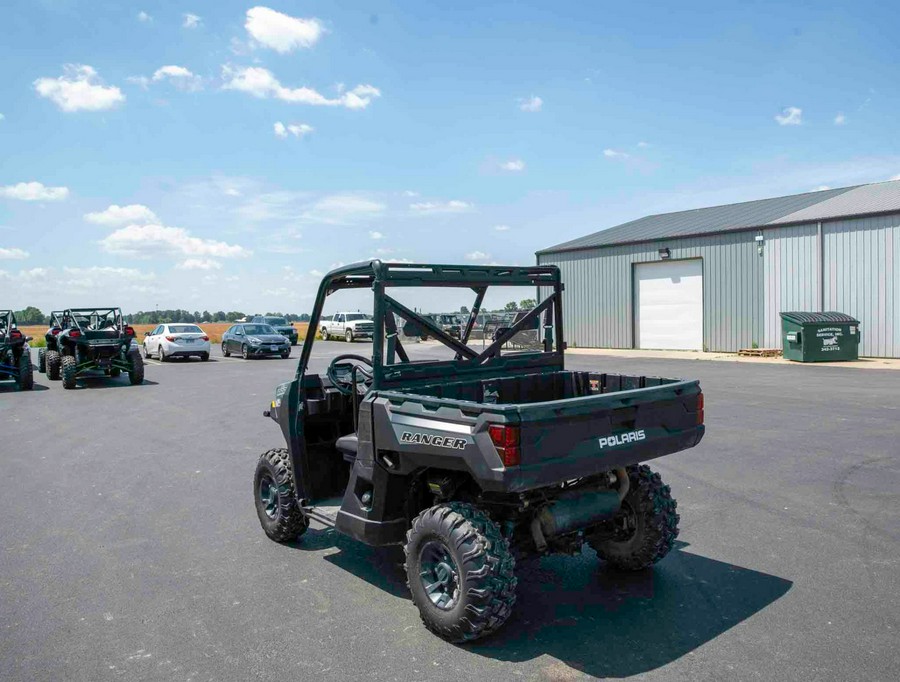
x=34 y=316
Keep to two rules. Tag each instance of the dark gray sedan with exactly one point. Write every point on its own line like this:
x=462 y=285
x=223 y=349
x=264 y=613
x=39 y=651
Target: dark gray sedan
x=253 y=341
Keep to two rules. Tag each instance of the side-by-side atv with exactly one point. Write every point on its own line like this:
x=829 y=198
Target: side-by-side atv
x=473 y=458
x=48 y=357
x=94 y=342
x=15 y=357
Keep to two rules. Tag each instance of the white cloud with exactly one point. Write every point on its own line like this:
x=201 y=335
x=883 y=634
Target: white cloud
x=452 y=206
x=260 y=83
x=191 y=20
x=142 y=81
x=13 y=254
x=180 y=76
x=410 y=193
x=34 y=191
x=144 y=241
x=613 y=154
x=338 y=209
x=643 y=145
x=477 y=255
x=501 y=228
x=532 y=103
x=79 y=89
x=199 y=264
x=120 y=215
x=790 y=116
x=840 y=120
x=295 y=129
x=514 y=165
x=144 y=17
x=374 y=234
x=281 y=32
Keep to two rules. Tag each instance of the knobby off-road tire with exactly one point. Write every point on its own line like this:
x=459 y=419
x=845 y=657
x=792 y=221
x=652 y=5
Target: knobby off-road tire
x=136 y=374
x=652 y=509
x=69 y=369
x=476 y=596
x=42 y=360
x=54 y=364
x=274 y=497
x=25 y=381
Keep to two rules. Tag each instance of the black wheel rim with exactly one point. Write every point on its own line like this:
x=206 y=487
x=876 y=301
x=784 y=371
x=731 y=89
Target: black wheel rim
x=439 y=575
x=268 y=495
x=626 y=523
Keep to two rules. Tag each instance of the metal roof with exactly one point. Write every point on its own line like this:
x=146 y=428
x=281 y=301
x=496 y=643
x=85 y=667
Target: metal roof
x=882 y=197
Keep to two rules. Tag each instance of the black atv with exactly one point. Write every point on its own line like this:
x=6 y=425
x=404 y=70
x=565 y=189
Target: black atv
x=473 y=458
x=96 y=342
x=49 y=358
x=15 y=356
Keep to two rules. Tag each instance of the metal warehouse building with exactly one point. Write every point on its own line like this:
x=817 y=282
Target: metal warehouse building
x=717 y=278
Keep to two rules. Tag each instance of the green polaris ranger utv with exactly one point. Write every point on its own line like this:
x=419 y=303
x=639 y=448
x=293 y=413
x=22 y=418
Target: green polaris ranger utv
x=15 y=357
x=472 y=458
x=49 y=358
x=96 y=342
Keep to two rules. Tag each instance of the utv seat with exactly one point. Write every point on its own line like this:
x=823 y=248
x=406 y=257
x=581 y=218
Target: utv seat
x=347 y=446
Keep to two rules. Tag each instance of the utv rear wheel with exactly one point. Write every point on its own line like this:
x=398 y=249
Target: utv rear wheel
x=53 y=365
x=69 y=370
x=275 y=499
x=646 y=527
x=26 y=372
x=136 y=374
x=459 y=570
x=42 y=360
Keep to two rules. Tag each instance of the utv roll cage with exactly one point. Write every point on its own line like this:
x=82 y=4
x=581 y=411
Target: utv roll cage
x=391 y=365
x=92 y=319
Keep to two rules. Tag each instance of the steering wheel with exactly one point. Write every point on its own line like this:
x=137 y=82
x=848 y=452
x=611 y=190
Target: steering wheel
x=345 y=384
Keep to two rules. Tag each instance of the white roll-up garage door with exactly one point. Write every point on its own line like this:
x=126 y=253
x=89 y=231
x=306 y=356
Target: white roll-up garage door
x=668 y=305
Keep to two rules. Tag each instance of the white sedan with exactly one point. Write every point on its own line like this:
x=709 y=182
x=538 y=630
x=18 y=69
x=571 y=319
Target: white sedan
x=171 y=340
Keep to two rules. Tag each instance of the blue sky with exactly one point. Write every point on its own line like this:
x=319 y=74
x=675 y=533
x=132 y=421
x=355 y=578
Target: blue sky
x=222 y=155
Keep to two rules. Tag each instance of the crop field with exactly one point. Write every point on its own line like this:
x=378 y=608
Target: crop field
x=214 y=329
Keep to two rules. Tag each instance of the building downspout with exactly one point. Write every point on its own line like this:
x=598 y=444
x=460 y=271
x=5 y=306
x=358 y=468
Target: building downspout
x=820 y=269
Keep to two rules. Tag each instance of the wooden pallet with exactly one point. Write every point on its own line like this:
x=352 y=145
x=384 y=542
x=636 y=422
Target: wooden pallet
x=760 y=352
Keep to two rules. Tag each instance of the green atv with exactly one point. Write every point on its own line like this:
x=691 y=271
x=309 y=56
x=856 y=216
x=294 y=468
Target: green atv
x=49 y=359
x=96 y=342
x=15 y=357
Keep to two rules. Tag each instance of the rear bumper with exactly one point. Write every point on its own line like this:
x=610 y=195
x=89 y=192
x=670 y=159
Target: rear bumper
x=185 y=349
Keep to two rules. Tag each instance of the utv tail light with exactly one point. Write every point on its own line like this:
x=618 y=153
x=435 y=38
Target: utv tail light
x=129 y=331
x=55 y=331
x=15 y=334
x=170 y=338
x=506 y=440
x=74 y=334
x=699 y=409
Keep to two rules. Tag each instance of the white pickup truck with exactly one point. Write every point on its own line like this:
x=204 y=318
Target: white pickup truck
x=348 y=326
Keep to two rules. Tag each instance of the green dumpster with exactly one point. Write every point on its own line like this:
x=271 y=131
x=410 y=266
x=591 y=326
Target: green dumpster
x=819 y=337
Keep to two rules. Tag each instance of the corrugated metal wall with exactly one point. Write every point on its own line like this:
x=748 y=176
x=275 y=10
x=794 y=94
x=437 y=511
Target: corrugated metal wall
x=598 y=303
x=862 y=278
x=791 y=276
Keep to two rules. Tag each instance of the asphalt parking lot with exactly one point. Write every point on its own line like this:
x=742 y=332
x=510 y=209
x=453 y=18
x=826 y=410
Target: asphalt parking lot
x=130 y=548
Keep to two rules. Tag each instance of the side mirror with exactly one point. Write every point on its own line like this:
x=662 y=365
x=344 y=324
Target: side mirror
x=146 y=333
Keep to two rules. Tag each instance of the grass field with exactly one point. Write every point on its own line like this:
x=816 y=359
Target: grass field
x=214 y=329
